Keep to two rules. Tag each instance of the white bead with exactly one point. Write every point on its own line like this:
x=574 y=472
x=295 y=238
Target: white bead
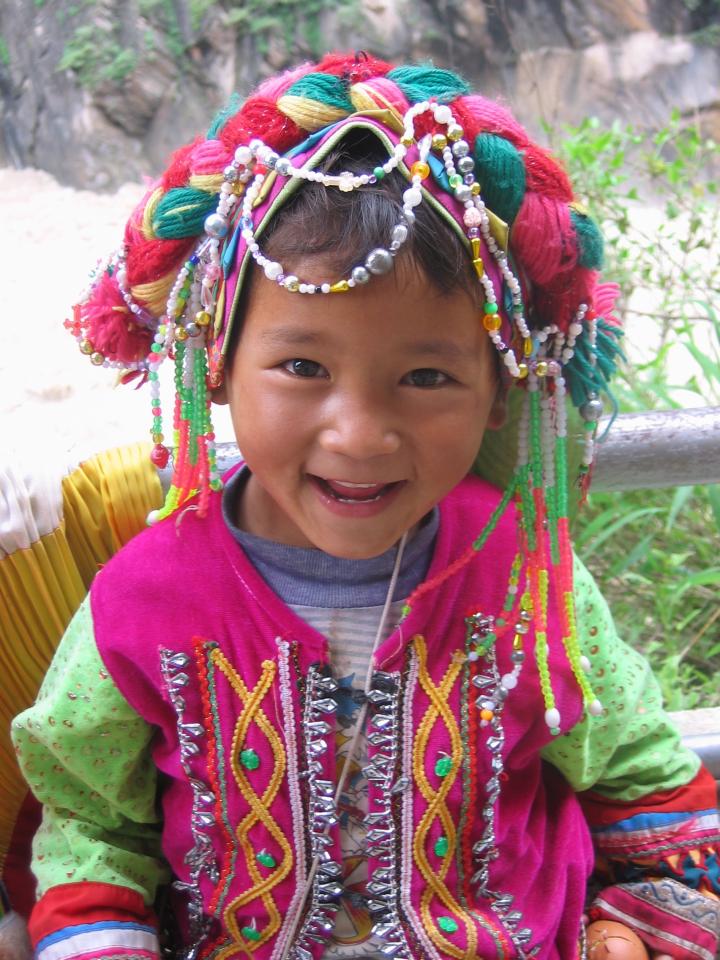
x=595 y=709
x=575 y=329
x=273 y=270
x=585 y=664
x=243 y=155
x=552 y=717
x=412 y=197
x=325 y=288
x=443 y=114
x=509 y=681
x=152 y=517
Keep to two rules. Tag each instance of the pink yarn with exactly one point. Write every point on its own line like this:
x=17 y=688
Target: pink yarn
x=388 y=92
x=111 y=327
x=603 y=298
x=274 y=87
x=209 y=157
x=543 y=238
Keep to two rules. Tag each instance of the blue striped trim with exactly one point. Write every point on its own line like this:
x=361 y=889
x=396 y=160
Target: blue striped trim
x=652 y=821
x=68 y=932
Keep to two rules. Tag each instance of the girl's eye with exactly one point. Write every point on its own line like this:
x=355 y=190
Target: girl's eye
x=304 y=368
x=427 y=377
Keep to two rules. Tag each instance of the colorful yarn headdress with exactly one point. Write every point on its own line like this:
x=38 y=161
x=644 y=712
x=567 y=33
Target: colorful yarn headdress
x=172 y=291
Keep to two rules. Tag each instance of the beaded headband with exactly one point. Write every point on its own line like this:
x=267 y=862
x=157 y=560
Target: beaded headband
x=572 y=352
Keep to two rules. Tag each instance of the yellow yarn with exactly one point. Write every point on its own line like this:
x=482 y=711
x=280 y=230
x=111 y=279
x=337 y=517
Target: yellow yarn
x=309 y=114
x=154 y=295
x=209 y=182
x=149 y=213
x=438 y=711
x=371 y=103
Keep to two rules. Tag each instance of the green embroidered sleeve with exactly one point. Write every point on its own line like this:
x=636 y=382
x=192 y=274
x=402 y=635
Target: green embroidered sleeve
x=86 y=755
x=632 y=749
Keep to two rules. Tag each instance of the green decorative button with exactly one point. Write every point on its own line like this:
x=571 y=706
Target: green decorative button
x=441 y=846
x=447 y=924
x=249 y=759
x=266 y=859
x=443 y=766
x=250 y=933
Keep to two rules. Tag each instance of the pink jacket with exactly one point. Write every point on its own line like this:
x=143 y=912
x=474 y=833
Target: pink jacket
x=240 y=691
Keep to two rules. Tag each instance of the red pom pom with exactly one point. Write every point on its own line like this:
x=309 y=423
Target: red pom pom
x=178 y=172
x=110 y=325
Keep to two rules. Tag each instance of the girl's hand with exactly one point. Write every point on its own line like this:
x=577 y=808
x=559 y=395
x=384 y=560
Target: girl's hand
x=610 y=940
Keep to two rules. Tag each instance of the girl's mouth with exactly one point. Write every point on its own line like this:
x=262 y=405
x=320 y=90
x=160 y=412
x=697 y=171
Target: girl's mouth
x=346 y=491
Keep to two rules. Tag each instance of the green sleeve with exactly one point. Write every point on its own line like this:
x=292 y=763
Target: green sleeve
x=632 y=749
x=86 y=756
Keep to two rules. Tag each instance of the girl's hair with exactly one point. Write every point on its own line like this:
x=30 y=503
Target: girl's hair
x=341 y=226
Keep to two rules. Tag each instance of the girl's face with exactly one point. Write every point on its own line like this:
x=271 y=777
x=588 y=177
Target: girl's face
x=357 y=412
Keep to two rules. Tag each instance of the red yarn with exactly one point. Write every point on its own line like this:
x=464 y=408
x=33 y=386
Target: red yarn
x=178 y=172
x=149 y=260
x=543 y=174
x=260 y=117
x=479 y=115
x=356 y=67
x=110 y=326
x=543 y=238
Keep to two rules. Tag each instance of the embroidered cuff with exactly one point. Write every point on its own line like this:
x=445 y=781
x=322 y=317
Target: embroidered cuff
x=109 y=940
x=668 y=916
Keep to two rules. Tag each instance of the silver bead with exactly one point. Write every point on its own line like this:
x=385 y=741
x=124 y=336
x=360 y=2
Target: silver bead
x=399 y=233
x=460 y=148
x=360 y=275
x=592 y=409
x=291 y=283
x=517 y=656
x=463 y=193
x=283 y=166
x=230 y=173
x=379 y=261
x=466 y=164
x=192 y=329
x=216 y=226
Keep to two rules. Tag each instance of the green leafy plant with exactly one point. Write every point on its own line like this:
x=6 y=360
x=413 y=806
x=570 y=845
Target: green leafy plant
x=654 y=552
x=95 y=56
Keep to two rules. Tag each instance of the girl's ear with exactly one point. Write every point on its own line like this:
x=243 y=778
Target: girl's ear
x=219 y=394
x=499 y=411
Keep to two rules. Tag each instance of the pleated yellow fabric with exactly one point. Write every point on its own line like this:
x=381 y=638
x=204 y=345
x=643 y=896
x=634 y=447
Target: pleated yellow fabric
x=105 y=503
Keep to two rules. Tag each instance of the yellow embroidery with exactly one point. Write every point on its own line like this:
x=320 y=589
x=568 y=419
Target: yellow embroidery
x=438 y=711
x=252 y=712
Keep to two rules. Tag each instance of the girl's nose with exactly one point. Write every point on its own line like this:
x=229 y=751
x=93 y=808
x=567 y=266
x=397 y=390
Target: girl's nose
x=360 y=429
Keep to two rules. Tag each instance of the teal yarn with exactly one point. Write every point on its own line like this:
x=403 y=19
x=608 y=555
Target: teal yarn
x=500 y=171
x=324 y=88
x=182 y=212
x=584 y=377
x=223 y=115
x=590 y=241
x=423 y=82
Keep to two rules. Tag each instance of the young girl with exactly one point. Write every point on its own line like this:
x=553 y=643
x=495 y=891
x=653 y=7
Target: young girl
x=356 y=702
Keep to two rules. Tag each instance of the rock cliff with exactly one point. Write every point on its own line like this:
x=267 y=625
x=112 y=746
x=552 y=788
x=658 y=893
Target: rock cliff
x=98 y=93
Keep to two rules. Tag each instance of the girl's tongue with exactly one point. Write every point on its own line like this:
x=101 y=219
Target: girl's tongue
x=345 y=490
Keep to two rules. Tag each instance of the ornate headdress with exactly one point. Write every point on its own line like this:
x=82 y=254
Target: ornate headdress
x=172 y=291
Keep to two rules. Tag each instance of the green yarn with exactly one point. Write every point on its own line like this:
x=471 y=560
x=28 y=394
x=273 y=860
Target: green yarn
x=501 y=173
x=223 y=115
x=590 y=241
x=323 y=88
x=424 y=81
x=582 y=375
x=182 y=212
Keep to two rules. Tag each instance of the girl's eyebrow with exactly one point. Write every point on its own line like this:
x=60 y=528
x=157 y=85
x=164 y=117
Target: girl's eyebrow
x=289 y=335
x=296 y=336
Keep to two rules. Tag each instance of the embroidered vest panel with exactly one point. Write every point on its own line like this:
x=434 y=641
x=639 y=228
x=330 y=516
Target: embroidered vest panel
x=475 y=848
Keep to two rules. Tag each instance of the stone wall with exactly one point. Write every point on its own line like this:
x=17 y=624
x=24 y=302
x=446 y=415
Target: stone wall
x=99 y=93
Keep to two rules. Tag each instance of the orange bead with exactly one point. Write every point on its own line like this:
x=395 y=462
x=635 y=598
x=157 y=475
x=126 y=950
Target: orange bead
x=420 y=169
x=492 y=322
x=486 y=715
